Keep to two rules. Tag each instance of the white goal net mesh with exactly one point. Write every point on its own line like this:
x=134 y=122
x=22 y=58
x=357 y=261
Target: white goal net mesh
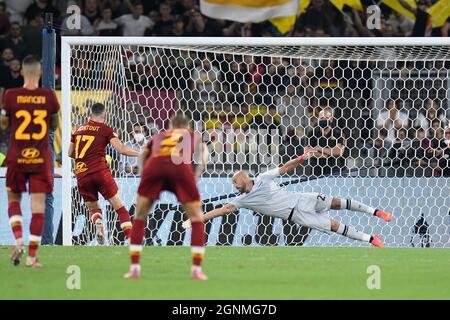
x=258 y=107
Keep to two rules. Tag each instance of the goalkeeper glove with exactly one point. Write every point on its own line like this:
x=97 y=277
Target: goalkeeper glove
x=305 y=156
x=186 y=224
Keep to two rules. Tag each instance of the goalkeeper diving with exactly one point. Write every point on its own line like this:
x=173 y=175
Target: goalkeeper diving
x=311 y=210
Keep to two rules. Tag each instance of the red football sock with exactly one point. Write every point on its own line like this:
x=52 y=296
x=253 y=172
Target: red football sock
x=95 y=214
x=198 y=242
x=137 y=235
x=125 y=221
x=36 y=228
x=15 y=218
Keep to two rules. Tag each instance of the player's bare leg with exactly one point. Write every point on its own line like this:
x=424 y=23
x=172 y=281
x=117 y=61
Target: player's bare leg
x=122 y=212
x=194 y=212
x=352 y=205
x=36 y=228
x=143 y=206
x=352 y=233
x=15 y=221
x=95 y=214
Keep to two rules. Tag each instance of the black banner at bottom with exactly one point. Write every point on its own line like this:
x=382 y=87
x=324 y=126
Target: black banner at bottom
x=223 y=309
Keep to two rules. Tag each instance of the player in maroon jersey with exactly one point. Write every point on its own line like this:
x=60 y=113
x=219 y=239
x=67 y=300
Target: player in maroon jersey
x=88 y=148
x=169 y=167
x=29 y=111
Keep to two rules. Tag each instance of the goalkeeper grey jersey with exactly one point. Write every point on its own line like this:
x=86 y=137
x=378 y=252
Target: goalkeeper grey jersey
x=267 y=197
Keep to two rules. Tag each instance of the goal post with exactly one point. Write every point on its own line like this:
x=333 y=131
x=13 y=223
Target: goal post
x=66 y=111
x=237 y=90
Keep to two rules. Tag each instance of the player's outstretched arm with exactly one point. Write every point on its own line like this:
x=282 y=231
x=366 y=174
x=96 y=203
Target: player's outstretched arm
x=294 y=163
x=123 y=149
x=225 y=209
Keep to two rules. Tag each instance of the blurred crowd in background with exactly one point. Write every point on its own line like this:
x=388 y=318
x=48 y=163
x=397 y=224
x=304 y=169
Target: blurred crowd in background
x=389 y=115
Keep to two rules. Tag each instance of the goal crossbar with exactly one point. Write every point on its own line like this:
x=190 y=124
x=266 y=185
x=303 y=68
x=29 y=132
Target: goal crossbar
x=253 y=41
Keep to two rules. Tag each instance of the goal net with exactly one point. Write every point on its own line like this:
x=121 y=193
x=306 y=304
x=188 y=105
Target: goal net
x=257 y=106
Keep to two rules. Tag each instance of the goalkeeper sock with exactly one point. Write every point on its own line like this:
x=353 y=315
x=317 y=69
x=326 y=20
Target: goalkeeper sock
x=353 y=205
x=137 y=235
x=352 y=233
x=36 y=228
x=198 y=242
x=95 y=214
x=15 y=220
x=125 y=221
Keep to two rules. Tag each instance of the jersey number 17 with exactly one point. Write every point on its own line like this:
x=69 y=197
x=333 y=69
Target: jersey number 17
x=79 y=154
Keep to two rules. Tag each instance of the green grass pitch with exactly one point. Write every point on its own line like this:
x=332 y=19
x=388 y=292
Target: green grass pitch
x=235 y=273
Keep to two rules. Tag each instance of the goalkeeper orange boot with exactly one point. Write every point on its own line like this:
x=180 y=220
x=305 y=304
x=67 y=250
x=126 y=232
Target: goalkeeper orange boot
x=383 y=215
x=33 y=262
x=17 y=254
x=376 y=242
x=134 y=273
x=197 y=274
